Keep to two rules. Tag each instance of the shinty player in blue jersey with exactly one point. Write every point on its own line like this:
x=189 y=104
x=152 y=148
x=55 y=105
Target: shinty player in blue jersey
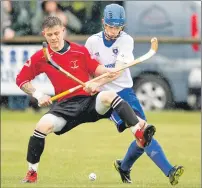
x=111 y=47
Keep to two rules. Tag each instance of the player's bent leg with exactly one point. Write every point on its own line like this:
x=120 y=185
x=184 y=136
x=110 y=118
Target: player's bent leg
x=119 y=123
x=47 y=124
x=102 y=104
x=108 y=99
x=121 y=127
x=105 y=99
x=144 y=137
x=50 y=123
x=145 y=134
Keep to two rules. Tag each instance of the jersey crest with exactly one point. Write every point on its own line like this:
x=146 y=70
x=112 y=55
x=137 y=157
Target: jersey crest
x=73 y=64
x=115 y=50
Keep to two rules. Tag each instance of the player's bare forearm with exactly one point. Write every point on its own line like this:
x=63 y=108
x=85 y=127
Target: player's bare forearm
x=101 y=69
x=105 y=80
x=43 y=99
x=28 y=88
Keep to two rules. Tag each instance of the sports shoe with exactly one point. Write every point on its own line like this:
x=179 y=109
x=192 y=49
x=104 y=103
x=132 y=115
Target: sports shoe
x=125 y=175
x=144 y=136
x=31 y=177
x=175 y=174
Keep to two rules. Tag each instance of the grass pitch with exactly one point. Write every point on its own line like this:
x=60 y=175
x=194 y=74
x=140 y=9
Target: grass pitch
x=69 y=159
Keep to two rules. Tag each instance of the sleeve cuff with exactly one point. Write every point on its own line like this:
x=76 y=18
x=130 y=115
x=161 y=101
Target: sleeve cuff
x=20 y=85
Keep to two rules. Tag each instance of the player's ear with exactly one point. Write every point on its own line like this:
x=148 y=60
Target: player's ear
x=43 y=33
x=102 y=21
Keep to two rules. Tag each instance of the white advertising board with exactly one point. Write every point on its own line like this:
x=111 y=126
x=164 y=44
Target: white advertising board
x=13 y=58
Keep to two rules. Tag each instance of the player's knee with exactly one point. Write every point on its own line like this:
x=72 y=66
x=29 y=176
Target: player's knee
x=45 y=128
x=50 y=123
x=45 y=125
x=107 y=97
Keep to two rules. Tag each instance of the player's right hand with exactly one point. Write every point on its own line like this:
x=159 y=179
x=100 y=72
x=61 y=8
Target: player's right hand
x=43 y=99
x=92 y=88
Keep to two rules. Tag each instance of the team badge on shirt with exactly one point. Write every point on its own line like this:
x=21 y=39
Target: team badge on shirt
x=73 y=64
x=115 y=50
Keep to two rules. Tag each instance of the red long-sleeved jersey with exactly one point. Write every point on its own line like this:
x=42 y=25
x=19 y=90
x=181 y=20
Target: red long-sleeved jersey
x=76 y=61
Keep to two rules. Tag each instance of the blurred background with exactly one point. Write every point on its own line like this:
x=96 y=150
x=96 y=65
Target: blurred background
x=169 y=80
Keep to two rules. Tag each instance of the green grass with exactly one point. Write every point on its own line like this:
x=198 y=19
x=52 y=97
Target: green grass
x=69 y=159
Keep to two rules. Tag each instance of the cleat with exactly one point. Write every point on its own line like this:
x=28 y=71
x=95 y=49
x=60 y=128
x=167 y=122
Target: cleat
x=125 y=175
x=175 y=174
x=31 y=177
x=145 y=136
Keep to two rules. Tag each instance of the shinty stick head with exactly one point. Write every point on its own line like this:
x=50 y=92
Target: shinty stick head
x=154 y=44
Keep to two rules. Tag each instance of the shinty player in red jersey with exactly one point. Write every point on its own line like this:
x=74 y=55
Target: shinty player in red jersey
x=77 y=108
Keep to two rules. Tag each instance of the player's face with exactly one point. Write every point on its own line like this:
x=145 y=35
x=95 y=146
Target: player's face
x=112 y=32
x=55 y=36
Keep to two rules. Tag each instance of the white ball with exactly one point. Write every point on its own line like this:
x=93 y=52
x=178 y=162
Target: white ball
x=92 y=176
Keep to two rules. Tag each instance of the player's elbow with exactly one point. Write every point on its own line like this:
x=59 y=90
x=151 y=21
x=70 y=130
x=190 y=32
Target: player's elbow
x=20 y=81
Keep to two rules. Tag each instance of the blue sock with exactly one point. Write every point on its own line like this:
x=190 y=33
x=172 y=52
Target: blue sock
x=155 y=152
x=133 y=153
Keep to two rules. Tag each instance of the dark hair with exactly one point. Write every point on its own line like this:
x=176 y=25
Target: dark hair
x=43 y=4
x=51 y=21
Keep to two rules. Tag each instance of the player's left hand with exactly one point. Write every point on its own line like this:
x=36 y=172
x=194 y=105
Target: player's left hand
x=92 y=88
